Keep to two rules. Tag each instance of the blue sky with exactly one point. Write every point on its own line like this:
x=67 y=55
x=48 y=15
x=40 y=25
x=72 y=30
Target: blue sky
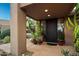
x=4 y=11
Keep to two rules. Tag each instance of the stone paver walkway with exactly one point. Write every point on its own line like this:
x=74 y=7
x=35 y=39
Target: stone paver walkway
x=40 y=50
x=47 y=50
x=5 y=47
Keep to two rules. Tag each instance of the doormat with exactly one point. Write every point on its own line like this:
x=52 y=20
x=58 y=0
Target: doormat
x=51 y=43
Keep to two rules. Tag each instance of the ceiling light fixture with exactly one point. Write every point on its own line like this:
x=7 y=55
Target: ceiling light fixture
x=46 y=10
x=48 y=15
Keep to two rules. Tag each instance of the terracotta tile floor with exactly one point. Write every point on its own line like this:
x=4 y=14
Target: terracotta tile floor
x=41 y=50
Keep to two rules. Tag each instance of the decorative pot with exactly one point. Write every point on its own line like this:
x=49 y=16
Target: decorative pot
x=34 y=41
x=61 y=43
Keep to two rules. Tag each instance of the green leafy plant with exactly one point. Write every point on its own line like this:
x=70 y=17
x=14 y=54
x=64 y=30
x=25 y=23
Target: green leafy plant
x=36 y=30
x=61 y=37
x=77 y=45
x=74 y=25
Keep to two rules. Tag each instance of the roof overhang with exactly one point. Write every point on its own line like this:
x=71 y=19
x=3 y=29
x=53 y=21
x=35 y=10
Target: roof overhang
x=55 y=10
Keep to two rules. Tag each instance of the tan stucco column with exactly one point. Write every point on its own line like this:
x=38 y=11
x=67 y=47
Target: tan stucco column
x=18 y=30
x=68 y=35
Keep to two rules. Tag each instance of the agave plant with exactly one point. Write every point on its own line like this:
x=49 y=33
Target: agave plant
x=74 y=25
x=65 y=52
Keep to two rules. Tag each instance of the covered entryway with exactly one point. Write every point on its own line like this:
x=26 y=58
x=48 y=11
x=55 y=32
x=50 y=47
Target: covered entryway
x=37 y=12
x=54 y=12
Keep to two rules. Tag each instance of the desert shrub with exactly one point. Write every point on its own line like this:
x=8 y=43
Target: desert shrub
x=66 y=52
x=5 y=33
x=6 y=39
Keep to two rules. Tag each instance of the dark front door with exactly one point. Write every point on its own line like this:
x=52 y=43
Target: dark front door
x=51 y=31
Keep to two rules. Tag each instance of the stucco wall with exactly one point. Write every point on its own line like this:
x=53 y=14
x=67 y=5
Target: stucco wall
x=18 y=30
x=68 y=35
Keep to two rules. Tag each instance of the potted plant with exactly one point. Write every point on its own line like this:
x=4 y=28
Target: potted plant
x=40 y=40
x=61 y=40
x=37 y=39
x=34 y=37
x=34 y=41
